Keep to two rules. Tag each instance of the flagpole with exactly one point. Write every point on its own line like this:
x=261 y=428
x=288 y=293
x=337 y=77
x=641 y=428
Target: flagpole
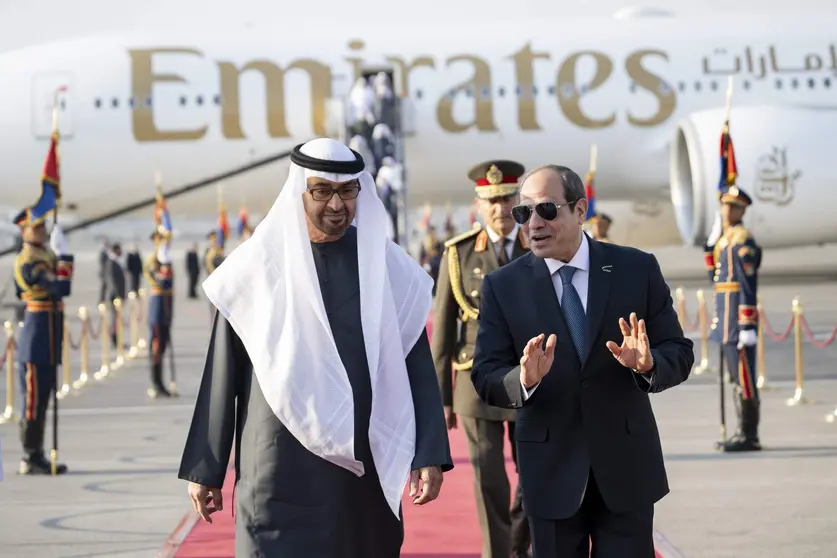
x=54 y=310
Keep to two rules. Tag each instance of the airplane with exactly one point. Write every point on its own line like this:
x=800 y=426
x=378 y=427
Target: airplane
x=649 y=92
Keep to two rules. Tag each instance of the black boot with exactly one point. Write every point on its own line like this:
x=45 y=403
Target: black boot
x=34 y=462
x=749 y=438
x=157 y=389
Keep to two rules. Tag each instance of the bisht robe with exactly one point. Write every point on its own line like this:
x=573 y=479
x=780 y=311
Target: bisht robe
x=290 y=503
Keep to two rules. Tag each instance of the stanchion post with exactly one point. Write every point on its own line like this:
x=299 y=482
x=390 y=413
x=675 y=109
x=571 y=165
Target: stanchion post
x=120 y=334
x=704 y=335
x=134 y=325
x=799 y=395
x=143 y=323
x=761 y=362
x=832 y=416
x=65 y=361
x=84 y=348
x=104 y=335
x=9 y=414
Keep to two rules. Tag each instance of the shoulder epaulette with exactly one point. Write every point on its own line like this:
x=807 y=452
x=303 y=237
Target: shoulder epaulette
x=464 y=236
x=739 y=235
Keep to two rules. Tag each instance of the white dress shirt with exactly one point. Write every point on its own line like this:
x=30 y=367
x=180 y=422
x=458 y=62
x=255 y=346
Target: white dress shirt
x=495 y=240
x=581 y=262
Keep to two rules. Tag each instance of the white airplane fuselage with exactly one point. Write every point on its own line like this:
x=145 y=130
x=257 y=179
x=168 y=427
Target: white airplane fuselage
x=193 y=105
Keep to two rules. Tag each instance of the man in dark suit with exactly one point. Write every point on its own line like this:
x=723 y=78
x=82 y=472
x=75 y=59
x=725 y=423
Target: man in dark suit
x=114 y=276
x=588 y=447
x=133 y=266
x=466 y=260
x=193 y=269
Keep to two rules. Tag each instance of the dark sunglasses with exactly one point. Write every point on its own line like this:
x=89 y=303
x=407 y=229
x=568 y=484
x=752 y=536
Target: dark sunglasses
x=546 y=210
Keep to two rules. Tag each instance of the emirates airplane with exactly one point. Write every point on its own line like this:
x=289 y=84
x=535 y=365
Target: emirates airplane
x=650 y=93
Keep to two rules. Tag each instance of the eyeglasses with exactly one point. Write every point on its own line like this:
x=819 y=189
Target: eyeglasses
x=546 y=210
x=345 y=192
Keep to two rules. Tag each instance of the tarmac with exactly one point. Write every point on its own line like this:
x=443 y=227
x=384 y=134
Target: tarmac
x=122 y=498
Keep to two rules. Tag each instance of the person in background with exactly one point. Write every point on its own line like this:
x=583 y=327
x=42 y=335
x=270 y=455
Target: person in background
x=467 y=259
x=133 y=265
x=193 y=269
x=115 y=286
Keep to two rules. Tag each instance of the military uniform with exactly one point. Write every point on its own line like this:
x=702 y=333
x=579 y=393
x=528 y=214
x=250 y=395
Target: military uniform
x=604 y=218
x=160 y=278
x=736 y=259
x=214 y=254
x=466 y=260
x=42 y=280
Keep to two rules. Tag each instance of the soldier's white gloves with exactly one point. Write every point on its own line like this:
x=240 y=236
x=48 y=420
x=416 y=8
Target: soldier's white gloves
x=58 y=242
x=163 y=254
x=715 y=233
x=747 y=338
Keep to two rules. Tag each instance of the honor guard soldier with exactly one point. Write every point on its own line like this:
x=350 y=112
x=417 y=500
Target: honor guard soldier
x=737 y=259
x=160 y=277
x=601 y=227
x=214 y=254
x=467 y=259
x=43 y=276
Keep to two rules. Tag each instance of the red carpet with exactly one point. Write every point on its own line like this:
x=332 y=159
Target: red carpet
x=446 y=528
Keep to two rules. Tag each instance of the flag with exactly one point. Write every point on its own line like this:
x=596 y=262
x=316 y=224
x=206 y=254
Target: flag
x=50 y=185
x=590 y=194
x=162 y=220
x=223 y=230
x=729 y=170
x=242 y=221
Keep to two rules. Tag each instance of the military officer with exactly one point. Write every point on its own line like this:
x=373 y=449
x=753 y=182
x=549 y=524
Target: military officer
x=43 y=277
x=466 y=260
x=160 y=276
x=601 y=226
x=737 y=259
x=214 y=254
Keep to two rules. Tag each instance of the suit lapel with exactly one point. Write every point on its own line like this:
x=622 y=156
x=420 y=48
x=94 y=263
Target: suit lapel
x=546 y=300
x=598 y=290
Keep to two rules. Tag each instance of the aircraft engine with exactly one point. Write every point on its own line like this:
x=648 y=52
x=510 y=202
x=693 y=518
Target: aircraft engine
x=787 y=162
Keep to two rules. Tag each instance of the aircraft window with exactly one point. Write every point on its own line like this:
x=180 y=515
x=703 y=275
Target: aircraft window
x=485 y=93
x=199 y=100
x=534 y=90
x=697 y=86
x=583 y=88
x=63 y=104
x=794 y=83
x=217 y=99
x=418 y=94
x=148 y=101
x=664 y=88
x=97 y=103
x=746 y=84
x=778 y=84
x=501 y=91
x=114 y=102
x=633 y=87
x=468 y=91
x=568 y=91
x=827 y=82
x=681 y=87
x=182 y=101
x=811 y=83
x=713 y=85
x=131 y=102
x=518 y=91
x=551 y=90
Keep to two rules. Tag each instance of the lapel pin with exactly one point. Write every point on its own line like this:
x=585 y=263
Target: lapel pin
x=606 y=268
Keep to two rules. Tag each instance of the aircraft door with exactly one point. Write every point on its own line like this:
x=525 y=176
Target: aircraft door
x=47 y=89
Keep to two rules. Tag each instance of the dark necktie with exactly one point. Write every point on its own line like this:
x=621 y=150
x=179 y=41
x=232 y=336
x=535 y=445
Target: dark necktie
x=502 y=256
x=573 y=310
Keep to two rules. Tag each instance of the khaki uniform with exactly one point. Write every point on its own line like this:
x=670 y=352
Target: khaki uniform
x=466 y=260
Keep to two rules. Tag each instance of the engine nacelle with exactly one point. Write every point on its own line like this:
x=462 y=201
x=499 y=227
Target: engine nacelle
x=786 y=160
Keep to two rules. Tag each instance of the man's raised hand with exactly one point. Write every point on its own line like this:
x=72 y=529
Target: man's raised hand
x=536 y=360
x=635 y=351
